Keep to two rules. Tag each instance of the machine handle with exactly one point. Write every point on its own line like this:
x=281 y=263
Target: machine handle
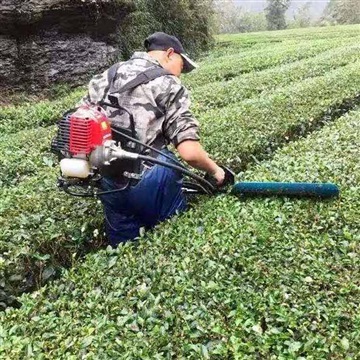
x=228 y=180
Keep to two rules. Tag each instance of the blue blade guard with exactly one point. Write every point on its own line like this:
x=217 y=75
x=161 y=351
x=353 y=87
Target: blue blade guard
x=322 y=190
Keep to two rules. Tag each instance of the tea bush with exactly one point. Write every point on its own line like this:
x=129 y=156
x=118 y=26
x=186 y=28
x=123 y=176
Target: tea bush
x=45 y=112
x=25 y=153
x=30 y=201
x=233 y=65
x=259 y=124
x=220 y=93
x=257 y=278
x=261 y=278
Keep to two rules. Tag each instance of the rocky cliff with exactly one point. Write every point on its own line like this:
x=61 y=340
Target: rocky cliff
x=43 y=42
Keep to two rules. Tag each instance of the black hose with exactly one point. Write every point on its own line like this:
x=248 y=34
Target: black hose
x=84 y=195
x=138 y=141
x=148 y=146
x=207 y=186
x=179 y=167
x=206 y=183
x=194 y=188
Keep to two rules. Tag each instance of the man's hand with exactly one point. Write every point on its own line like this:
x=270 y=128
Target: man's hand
x=193 y=153
x=219 y=175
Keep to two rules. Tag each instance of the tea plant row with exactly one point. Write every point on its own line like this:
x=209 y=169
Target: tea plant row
x=41 y=228
x=243 y=86
x=25 y=152
x=16 y=118
x=256 y=278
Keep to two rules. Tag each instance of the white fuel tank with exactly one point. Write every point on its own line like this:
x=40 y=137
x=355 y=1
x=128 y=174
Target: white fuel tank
x=76 y=168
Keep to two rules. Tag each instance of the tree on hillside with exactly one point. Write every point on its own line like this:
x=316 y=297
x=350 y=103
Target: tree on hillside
x=227 y=14
x=342 y=12
x=234 y=19
x=302 y=17
x=275 y=14
x=190 y=20
x=327 y=15
x=250 y=21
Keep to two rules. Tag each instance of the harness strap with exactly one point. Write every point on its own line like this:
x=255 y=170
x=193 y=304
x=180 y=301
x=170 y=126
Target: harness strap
x=111 y=77
x=143 y=78
x=134 y=175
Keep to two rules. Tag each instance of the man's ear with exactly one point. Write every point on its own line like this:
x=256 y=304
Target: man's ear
x=170 y=52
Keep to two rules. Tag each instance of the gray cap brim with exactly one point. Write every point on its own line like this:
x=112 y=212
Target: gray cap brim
x=189 y=65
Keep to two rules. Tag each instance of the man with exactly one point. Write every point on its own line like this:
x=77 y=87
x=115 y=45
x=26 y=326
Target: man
x=160 y=110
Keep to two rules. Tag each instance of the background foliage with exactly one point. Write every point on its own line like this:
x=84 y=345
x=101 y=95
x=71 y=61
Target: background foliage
x=275 y=14
x=233 y=19
x=233 y=16
x=190 y=20
x=342 y=12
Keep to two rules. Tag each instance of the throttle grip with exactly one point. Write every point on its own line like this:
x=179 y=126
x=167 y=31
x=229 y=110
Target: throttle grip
x=228 y=180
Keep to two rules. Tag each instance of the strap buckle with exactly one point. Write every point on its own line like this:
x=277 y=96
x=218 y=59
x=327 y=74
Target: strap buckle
x=130 y=175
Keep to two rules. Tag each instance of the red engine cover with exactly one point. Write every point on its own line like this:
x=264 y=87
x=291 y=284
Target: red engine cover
x=89 y=128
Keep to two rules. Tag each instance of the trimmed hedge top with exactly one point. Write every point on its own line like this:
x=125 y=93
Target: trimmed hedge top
x=266 y=278
x=256 y=278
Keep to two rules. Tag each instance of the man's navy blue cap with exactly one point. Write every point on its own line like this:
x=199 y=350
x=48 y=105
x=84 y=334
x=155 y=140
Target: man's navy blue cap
x=163 y=42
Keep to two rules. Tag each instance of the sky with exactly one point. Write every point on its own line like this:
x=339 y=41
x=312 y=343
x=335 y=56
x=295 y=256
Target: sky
x=317 y=6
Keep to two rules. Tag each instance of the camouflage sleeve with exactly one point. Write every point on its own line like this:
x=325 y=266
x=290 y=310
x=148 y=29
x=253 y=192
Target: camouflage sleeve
x=97 y=88
x=180 y=123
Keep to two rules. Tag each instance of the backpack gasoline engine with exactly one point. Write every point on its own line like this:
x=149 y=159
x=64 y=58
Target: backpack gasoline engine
x=85 y=146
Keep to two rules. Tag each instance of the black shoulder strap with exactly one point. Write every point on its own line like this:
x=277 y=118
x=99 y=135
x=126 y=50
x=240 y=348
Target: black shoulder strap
x=112 y=72
x=143 y=78
x=110 y=77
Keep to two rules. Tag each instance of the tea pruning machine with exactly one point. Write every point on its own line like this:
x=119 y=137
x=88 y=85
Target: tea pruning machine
x=86 y=149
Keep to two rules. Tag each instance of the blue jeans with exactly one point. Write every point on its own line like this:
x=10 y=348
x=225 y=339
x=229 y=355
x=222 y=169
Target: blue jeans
x=156 y=197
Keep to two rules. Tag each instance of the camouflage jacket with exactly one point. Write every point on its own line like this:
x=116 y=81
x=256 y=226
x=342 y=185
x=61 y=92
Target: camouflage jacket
x=160 y=107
